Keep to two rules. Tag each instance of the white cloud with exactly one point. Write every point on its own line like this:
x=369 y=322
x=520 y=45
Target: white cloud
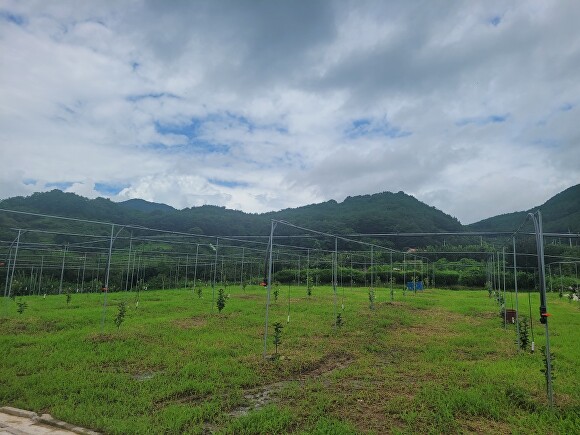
x=262 y=96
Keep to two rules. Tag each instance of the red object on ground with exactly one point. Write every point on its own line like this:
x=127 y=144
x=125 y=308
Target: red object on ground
x=104 y=289
x=264 y=284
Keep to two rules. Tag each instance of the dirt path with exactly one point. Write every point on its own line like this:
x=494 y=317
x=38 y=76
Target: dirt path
x=20 y=422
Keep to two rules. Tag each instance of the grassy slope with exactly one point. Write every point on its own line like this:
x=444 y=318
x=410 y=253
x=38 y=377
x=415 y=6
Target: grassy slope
x=438 y=361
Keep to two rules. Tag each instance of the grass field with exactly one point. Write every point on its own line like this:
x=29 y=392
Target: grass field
x=439 y=361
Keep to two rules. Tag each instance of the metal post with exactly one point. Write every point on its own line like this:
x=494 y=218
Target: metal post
x=129 y=262
x=504 y=298
x=335 y=276
x=543 y=304
x=40 y=274
x=214 y=274
x=195 y=270
x=516 y=291
x=62 y=269
x=270 y=247
x=106 y=288
x=242 y=270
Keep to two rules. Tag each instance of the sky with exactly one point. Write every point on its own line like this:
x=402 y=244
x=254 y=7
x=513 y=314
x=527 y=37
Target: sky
x=470 y=106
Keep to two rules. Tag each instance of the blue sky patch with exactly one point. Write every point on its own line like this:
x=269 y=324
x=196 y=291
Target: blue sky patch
x=152 y=95
x=226 y=183
x=63 y=185
x=483 y=120
x=12 y=18
x=566 y=107
x=494 y=21
x=369 y=127
x=29 y=181
x=110 y=189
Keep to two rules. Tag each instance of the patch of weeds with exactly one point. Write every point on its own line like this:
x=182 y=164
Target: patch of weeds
x=520 y=398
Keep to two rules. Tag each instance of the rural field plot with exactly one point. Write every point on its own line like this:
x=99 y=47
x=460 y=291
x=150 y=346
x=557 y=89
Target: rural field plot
x=431 y=361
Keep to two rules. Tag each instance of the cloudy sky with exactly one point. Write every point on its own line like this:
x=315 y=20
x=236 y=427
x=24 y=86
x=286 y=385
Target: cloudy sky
x=472 y=107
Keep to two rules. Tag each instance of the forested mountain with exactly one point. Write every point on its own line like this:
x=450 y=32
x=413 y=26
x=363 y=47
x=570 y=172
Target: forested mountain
x=561 y=213
x=378 y=213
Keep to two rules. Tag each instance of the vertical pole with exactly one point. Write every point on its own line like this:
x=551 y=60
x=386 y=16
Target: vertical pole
x=106 y=288
x=516 y=290
x=129 y=262
x=504 y=299
x=40 y=274
x=561 y=282
x=8 y=272
x=84 y=268
x=242 y=270
x=270 y=247
x=335 y=276
x=214 y=274
x=195 y=270
x=62 y=269
x=14 y=263
x=186 y=264
x=543 y=304
x=391 y=277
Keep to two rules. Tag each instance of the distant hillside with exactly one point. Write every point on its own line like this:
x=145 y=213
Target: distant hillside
x=146 y=206
x=378 y=213
x=561 y=213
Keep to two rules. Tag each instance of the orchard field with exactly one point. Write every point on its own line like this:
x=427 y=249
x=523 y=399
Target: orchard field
x=435 y=361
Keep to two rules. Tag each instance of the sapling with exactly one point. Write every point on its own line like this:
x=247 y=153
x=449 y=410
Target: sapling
x=221 y=300
x=339 y=321
x=545 y=369
x=199 y=291
x=21 y=306
x=524 y=333
x=277 y=335
x=68 y=297
x=276 y=290
x=309 y=286
x=371 y=298
x=121 y=314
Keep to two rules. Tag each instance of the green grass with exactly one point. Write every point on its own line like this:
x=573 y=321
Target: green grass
x=438 y=361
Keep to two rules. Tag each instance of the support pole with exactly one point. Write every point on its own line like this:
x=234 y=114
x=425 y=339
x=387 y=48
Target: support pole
x=543 y=304
x=516 y=291
x=107 y=274
x=270 y=247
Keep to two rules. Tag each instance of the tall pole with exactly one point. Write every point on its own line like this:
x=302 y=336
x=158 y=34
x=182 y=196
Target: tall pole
x=504 y=299
x=242 y=270
x=106 y=288
x=335 y=275
x=270 y=247
x=40 y=274
x=195 y=270
x=84 y=267
x=186 y=264
x=214 y=274
x=543 y=304
x=62 y=269
x=129 y=261
x=516 y=290
x=391 y=277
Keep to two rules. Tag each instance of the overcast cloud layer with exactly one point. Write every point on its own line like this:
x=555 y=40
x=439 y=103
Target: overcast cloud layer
x=472 y=107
